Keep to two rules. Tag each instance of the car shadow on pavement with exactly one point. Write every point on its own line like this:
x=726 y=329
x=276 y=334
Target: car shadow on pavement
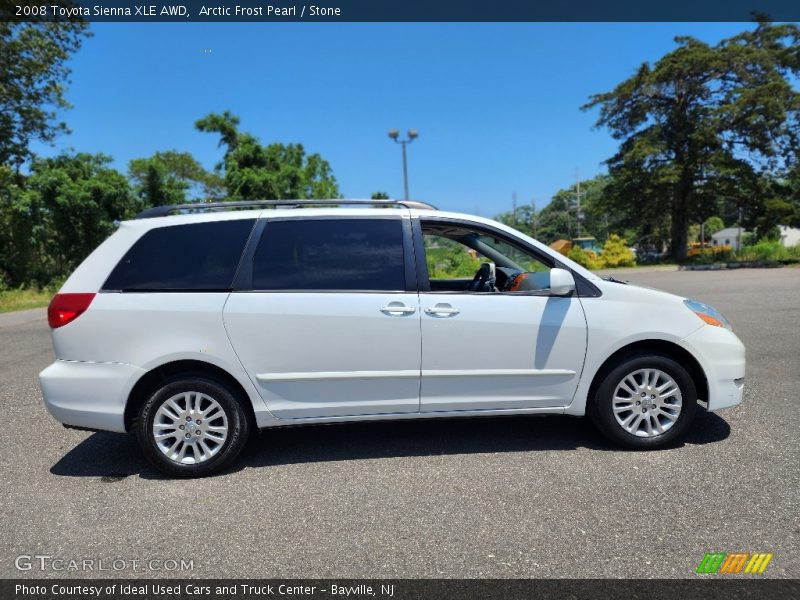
x=112 y=456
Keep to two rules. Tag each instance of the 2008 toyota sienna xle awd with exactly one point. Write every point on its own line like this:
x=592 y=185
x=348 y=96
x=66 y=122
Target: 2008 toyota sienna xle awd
x=191 y=330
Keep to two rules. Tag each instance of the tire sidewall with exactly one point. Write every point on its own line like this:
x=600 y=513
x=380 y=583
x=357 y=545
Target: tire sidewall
x=602 y=414
x=238 y=429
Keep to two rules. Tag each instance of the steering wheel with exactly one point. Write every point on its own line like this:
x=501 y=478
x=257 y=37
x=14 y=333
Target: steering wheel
x=484 y=275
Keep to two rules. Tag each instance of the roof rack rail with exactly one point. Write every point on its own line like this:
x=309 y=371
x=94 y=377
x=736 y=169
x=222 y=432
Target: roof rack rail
x=163 y=211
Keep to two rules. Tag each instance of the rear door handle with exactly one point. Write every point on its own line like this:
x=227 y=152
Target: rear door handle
x=395 y=309
x=442 y=310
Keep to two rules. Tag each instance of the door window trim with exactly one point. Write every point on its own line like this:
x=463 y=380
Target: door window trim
x=583 y=287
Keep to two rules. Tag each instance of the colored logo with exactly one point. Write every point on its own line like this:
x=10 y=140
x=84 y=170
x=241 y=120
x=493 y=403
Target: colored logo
x=734 y=562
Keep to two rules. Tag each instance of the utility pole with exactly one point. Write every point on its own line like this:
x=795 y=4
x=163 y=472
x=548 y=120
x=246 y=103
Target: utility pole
x=578 y=214
x=514 y=207
x=739 y=233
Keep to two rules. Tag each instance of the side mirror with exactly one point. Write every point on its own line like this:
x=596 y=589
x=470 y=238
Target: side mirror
x=562 y=282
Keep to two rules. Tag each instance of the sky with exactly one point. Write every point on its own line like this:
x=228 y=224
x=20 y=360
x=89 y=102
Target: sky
x=497 y=106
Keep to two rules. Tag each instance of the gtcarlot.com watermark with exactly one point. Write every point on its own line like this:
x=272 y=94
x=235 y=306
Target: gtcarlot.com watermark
x=46 y=562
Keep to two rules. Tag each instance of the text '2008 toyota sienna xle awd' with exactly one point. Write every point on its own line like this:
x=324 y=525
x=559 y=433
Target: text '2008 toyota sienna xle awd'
x=192 y=330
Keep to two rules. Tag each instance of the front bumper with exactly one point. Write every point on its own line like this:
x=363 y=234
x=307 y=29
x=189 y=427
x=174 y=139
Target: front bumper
x=722 y=356
x=88 y=394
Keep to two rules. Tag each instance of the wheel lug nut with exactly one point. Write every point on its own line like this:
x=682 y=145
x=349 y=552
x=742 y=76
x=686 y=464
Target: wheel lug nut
x=199 y=432
x=188 y=435
x=200 y=420
x=190 y=418
x=653 y=397
x=644 y=409
x=643 y=394
x=181 y=427
x=638 y=403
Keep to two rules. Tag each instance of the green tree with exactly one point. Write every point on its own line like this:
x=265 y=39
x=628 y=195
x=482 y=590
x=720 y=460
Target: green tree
x=712 y=225
x=68 y=205
x=33 y=64
x=522 y=219
x=705 y=123
x=448 y=259
x=272 y=172
x=172 y=178
x=558 y=220
x=379 y=196
x=16 y=227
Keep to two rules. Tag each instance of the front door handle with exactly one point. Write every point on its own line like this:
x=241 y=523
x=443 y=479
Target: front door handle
x=442 y=310
x=396 y=309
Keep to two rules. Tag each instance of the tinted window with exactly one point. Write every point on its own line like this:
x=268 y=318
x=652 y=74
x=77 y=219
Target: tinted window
x=199 y=256
x=330 y=254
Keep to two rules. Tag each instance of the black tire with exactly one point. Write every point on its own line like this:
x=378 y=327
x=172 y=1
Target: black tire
x=235 y=418
x=600 y=408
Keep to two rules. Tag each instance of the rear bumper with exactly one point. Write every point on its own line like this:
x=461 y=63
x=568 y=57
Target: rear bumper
x=88 y=394
x=722 y=356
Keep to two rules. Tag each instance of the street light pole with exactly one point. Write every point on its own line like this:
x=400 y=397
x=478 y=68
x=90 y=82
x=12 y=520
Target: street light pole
x=412 y=135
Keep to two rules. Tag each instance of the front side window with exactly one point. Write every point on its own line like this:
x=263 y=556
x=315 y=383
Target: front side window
x=330 y=254
x=461 y=259
x=192 y=257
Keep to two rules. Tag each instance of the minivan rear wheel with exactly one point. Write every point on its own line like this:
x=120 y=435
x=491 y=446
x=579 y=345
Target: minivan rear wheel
x=646 y=402
x=191 y=426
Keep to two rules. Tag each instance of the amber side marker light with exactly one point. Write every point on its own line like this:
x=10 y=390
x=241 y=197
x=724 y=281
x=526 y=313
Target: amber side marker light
x=65 y=308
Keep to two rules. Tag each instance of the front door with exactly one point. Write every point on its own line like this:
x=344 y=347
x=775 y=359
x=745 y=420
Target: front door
x=328 y=328
x=494 y=339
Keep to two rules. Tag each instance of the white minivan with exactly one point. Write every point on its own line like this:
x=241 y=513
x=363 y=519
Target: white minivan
x=192 y=329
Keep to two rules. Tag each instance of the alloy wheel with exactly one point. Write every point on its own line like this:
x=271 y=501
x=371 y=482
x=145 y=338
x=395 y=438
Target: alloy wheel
x=189 y=428
x=647 y=402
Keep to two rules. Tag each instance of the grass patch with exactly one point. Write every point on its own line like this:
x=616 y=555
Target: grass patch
x=24 y=298
x=768 y=250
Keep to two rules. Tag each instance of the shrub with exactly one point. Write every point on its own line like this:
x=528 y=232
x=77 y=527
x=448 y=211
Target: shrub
x=583 y=258
x=616 y=253
x=769 y=250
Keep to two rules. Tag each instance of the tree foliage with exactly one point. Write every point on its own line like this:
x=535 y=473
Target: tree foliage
x=559 y=219
x=705 y=125
x=55 y=217
x=173 y=177
x=33 y=59
x=273 y=172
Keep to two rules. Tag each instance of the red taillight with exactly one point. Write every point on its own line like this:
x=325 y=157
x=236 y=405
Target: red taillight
x=65 y=308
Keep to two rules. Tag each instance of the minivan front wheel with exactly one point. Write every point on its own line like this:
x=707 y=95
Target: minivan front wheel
x=645 y=402
x=191 y=427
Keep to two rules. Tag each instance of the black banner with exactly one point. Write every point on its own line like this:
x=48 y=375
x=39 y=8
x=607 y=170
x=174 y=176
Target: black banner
x=702 y=588
x=397 y=10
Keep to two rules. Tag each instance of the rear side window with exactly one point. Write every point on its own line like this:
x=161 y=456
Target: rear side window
x=330 y=254
x=197 y=256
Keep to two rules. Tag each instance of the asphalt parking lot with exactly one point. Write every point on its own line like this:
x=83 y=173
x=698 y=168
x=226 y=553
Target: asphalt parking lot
x=501 y=497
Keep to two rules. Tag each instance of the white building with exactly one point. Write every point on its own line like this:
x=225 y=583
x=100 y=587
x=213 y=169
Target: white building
x=790 y=236
x=730 y=236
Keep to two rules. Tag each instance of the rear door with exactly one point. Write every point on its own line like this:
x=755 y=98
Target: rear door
x=327 y=321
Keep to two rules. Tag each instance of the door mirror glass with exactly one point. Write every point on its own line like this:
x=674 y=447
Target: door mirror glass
x=562 y=282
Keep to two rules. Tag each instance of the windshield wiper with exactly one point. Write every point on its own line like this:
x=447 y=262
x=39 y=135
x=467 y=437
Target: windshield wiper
x=614 y=280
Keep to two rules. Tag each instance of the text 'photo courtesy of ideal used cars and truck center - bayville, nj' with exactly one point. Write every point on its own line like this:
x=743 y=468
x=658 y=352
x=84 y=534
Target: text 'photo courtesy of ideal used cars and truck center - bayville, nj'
x=401 y=301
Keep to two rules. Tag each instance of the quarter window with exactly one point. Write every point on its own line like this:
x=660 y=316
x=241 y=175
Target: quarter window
x=193 y=257
x=330 y=254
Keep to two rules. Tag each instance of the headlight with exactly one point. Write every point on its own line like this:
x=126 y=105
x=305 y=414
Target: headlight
x=709 y=314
